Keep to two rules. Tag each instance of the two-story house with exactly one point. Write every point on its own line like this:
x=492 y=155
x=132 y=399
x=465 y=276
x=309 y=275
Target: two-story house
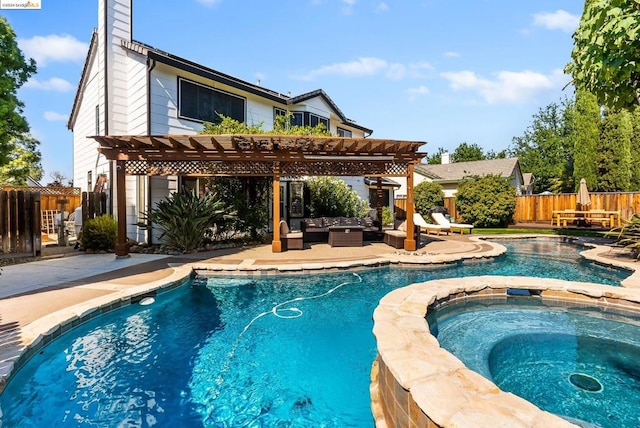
x=131 y=88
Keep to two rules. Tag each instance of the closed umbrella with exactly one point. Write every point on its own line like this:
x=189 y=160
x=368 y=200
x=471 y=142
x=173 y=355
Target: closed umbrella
x=583 y=199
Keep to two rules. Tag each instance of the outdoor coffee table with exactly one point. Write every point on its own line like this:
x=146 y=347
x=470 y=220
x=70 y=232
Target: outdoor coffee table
x=345 y=236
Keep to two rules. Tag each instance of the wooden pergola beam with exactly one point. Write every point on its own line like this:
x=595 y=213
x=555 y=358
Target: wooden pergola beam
x=259 y=155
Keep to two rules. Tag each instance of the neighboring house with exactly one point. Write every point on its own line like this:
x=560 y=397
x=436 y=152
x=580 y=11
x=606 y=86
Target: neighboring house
x=449 y=175
x=130 y=88
x=528 y=182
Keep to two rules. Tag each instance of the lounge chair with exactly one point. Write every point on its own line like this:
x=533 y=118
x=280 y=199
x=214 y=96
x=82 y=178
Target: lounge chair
x=440 y=219
x=420 y=222
x=291 y=240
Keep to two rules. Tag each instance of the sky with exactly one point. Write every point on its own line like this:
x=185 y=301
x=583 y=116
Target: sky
x=437 y=71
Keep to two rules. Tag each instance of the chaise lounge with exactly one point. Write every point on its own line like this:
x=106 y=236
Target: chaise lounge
x=440 y=219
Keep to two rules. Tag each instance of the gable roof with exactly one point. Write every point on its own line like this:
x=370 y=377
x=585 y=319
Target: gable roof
x=460 y=170
x=208 y=73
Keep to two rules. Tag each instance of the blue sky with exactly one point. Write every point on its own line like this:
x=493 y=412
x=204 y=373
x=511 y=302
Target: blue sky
x=434 y=70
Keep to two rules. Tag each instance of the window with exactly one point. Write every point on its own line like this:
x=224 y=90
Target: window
x=315 y=120
x=199 y=102
x=97 y=120
x=344 y=133
x=89 y=180
x=302 y=118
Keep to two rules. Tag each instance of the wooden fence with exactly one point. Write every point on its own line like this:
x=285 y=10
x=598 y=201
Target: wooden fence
x=539 y=208
x=20 y=222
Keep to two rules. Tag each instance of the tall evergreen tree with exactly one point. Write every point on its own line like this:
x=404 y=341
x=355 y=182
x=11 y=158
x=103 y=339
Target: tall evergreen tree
x=614 y=152
x=544 y=149
x=584 y=121
x=635 y=151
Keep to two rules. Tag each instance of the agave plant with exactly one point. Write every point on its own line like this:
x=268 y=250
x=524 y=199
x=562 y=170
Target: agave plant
x=184 y=219
x=628 y=236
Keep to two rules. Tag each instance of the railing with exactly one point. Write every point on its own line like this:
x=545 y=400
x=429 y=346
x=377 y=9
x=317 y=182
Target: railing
x=539 y=208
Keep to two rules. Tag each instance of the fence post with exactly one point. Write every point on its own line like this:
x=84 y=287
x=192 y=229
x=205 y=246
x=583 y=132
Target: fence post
x=4 y=221
x=13 y=220
x=36 y=222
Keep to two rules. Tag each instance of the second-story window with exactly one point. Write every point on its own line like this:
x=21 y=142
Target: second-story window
x=204 y=104
x=344 y=133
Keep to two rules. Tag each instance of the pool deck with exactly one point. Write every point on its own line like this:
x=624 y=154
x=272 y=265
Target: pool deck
x=39 y=300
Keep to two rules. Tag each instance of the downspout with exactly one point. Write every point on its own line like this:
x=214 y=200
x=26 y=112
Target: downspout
x=151 y=64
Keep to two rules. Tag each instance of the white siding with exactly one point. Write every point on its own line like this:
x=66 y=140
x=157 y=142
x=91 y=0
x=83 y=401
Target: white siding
x=401 y=192
x=136 y=95
x=118 y=29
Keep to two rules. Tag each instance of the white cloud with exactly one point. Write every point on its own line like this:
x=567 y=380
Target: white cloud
x=417 y=92
x=558 y=20
x=382 y=7
x=209 y=3
x=60 y=48
x=348 y=7
x=370 y=66
x=53 y=116
x=451 y=54
x=54 y=84
x=365 y=66
x=508 y=87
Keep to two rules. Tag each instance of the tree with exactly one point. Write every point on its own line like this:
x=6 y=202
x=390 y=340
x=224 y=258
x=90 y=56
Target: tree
x=14 y=72
x=614 y=152
x=635 y=150
x=22 y=162
x=585 y=121
x=466 y=152
x=488 y=201
x=427 y=195
x=436 y=158
x=606 y=51
x=545 y=150
x=332 y=197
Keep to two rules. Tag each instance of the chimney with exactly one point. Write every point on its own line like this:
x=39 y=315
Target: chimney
x=445 y=158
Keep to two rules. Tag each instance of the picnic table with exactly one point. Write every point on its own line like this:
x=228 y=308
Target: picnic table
x=603 y=217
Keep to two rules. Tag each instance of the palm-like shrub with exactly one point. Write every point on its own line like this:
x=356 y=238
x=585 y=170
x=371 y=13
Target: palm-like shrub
x=428 y=195
x=99 y=233
x=488 y=201
x=184 y=219
x=332 y=197
x=628 y=235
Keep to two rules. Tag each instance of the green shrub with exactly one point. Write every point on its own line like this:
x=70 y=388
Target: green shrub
x=99 y=233
x=332 y=197
x=387 y=216
x=427 y=195
x=185 y=219
x=488 y=201
x=628 y=235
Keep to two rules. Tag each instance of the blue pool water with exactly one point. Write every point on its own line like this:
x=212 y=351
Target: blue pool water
x=578 y=363
x=287 y=351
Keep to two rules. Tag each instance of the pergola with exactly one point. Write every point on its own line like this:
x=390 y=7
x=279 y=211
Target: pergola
x=258 y=155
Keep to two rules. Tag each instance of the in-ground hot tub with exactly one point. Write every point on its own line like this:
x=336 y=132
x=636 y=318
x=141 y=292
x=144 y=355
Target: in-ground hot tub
x=568 y=347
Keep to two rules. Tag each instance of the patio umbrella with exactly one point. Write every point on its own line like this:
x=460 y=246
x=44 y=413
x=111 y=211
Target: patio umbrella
x=583 y=198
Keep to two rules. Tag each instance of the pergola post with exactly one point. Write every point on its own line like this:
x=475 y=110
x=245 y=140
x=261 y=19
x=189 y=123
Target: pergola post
x=276 y=244
x=379 y=202
x=122 y=249
x=410 y=242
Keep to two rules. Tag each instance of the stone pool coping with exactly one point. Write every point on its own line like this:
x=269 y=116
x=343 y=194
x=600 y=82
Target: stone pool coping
x=38 y=333
x=416 y=383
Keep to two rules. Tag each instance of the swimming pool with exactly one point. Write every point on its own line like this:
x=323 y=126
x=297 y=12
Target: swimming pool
x=579 y=362
x=233 y=352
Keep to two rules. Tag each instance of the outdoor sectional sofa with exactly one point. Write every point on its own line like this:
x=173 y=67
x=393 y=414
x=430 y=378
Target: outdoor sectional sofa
x=317 y=229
